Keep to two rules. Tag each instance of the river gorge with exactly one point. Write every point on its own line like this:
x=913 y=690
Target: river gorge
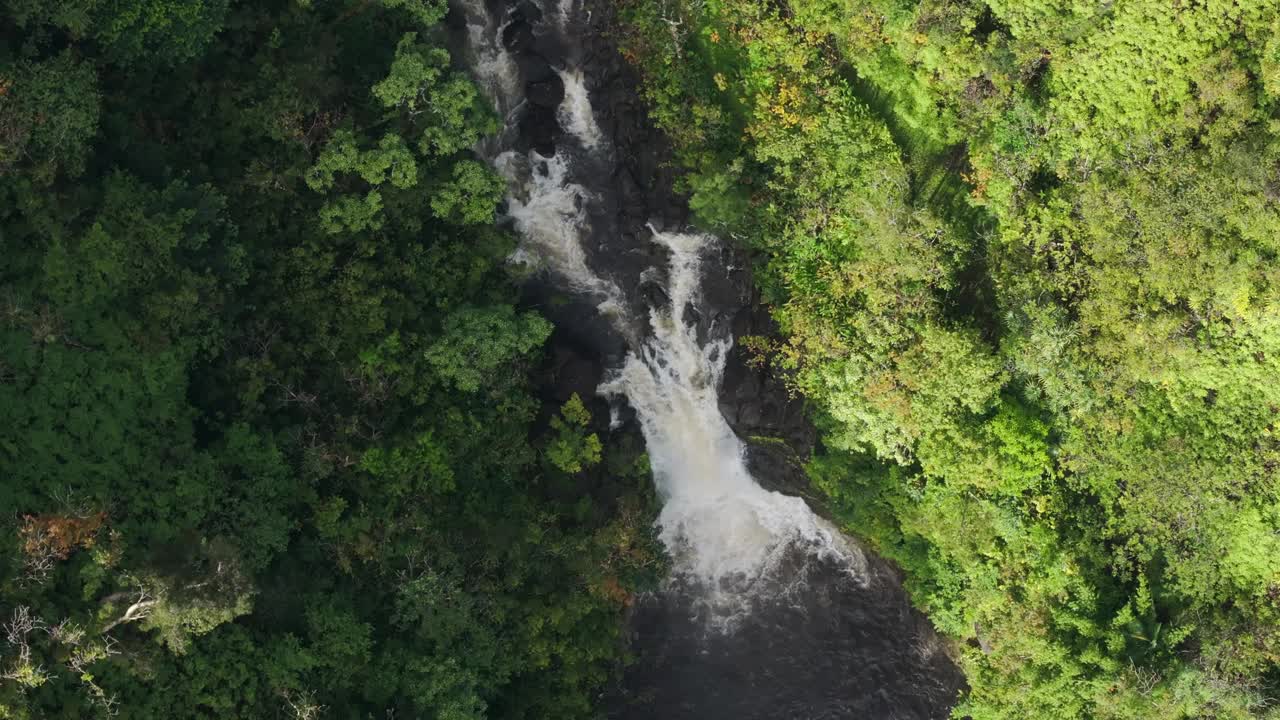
x=769 y=611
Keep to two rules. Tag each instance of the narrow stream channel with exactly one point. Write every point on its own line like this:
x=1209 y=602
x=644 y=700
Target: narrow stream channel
x=769 y=611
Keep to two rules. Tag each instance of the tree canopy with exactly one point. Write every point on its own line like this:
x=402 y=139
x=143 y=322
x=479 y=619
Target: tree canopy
x=1024 y=259
x=271 y=443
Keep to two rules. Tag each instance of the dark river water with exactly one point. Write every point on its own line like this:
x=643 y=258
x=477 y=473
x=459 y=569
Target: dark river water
x=822 y=646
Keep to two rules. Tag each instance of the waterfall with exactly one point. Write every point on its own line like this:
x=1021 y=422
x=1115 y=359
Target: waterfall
x=493 y=67
x=725 y=533
x=549 y=214
x=768 y=612
x=575 y=112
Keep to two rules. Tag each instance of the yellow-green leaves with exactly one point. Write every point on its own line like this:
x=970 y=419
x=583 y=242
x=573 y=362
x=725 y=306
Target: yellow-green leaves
x=480 y=344
x=443 y=110
x=471 y=196
x=572 y=448
x=425 y=12
x=1024 y=253
x=441 y=105
x=411 y=471
x=391 y=161
x=1270 y=63
x=416 y=68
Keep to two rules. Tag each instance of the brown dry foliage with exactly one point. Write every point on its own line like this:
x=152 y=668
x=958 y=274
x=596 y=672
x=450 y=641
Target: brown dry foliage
x=611 y=588
x=57 y=536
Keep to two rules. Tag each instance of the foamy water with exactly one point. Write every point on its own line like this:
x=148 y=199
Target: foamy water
x=724 y=532
x=575 y=113
x=548 y=210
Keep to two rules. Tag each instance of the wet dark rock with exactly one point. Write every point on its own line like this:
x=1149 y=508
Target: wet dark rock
x=578 y=324
x=763 y=411
x=870 y=656
x=545 y=93
x=527 y=11
x=571 y=369
x=654 y=295
x=692 y=316
x=518 y=37
x=626 y=183
x=539 y=129
x=535 y=68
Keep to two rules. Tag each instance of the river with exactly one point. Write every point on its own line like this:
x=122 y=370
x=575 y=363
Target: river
x=769 y=611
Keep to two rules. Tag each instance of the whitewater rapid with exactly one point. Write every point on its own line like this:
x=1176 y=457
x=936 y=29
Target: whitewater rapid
x=724 y=532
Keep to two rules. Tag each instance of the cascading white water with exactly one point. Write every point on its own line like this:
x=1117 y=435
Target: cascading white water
x=565 y=12
x=724 y=531
x=494 y=68
x=549 y=213
x=576 y=115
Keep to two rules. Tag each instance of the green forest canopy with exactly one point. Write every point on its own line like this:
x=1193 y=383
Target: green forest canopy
x=271 y=436
x=269 y=445
x=1024 y=255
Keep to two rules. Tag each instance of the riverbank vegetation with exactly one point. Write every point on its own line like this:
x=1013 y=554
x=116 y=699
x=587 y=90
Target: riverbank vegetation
x=276 y=439
x=1024 y=259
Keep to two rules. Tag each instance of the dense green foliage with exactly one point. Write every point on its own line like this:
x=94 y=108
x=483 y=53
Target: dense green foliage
x=269 y=442
x=1024 y=255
